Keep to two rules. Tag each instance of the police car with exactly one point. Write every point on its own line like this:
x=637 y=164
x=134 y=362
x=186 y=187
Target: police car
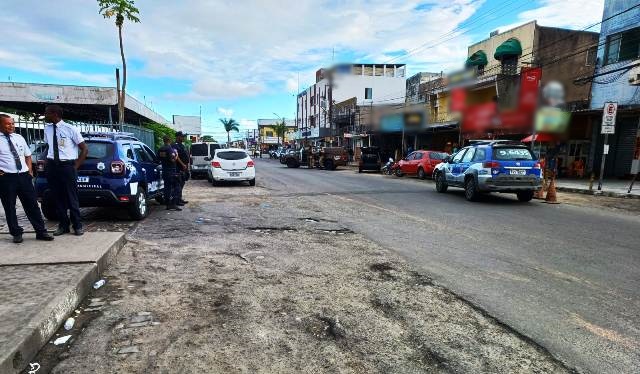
x=491 y=166
x=119 y=170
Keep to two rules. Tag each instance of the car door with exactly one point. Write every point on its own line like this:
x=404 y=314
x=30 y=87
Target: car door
x=405 y=164
x=465 y=162
x=147 y=166
x=455 y=167
x=417 y=159
x=154 y=181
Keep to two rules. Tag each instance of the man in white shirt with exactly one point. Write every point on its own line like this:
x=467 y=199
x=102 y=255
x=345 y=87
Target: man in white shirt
x=16 y=172
x=67 y=151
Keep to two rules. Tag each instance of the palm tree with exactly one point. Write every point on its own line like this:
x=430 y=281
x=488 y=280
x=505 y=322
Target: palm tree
x=120 y=9
x=230 y=124
x=280 y=128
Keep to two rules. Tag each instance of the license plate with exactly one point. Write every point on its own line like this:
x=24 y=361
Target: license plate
x=234 y=174
x=83 y=179
x=517 y=172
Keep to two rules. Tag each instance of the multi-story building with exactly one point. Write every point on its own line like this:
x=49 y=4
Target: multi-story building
x=267 y=136
x=617 y=79
x=369 y=84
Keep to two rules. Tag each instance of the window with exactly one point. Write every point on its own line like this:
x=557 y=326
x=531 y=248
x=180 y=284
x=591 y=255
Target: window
x=437 y=155
x=141 y=155
x=510 y=65
x=368 y=93
x=480 y=155
x=411 y=156
x=512 y=154
x=269 y=134
x=199 y=149
x=212 y=148
x=469 y=155
x=150 y=153
x=622 y=46
x=458 y=156
x=128 y=152
x=231 y=155
x=99 y=150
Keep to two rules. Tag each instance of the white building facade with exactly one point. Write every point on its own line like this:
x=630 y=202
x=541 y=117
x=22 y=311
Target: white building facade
x=370 y=84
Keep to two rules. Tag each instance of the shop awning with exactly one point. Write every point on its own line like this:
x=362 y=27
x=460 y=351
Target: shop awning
x=539 y=137
x=479 y=58
x=511 y=47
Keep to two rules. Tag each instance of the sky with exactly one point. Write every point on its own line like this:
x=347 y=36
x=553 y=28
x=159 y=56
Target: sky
x=247 y=59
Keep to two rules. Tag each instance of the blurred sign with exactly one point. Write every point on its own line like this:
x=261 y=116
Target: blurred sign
x=609 y=118
x=552 y=120
x=529 y=89
x=414 y=120
x=392 y=123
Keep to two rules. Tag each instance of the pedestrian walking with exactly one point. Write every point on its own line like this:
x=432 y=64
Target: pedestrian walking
x=67 y=151
x=183 y=163
x=16 y=173
x=169 y=156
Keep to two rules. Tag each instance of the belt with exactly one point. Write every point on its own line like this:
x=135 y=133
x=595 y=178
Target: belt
x=61 y=162
x=5 y=173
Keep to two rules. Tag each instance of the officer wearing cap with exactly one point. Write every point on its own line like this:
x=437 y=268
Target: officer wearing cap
x=16 y=172
x=183 y=157
x=169 y=156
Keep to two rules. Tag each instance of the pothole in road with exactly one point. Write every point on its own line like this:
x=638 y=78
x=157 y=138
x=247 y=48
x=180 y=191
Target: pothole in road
x=268 y=230
x=341 y=231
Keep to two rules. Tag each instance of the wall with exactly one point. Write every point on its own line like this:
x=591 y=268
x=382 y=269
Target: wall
x=619 y=90
x=190 y=125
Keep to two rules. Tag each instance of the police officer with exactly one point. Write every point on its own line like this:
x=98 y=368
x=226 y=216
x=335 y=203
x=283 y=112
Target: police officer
x=16 y=172
x=67 y=151
x=169 y=156
x=183 y=162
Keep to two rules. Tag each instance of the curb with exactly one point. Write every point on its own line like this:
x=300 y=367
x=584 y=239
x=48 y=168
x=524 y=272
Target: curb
x=44 y=325
x=598 y=193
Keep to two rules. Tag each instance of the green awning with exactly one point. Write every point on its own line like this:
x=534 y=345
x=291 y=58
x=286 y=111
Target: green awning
x=510 y=47
x=479 y=58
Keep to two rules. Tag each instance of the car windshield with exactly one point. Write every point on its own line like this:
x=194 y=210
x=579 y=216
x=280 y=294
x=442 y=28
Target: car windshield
x=512 y=154
x=199 y=150
x=99 y=150
x=231 y=155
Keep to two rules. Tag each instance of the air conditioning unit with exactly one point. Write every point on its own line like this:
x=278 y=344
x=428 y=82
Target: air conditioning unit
x=634 y=74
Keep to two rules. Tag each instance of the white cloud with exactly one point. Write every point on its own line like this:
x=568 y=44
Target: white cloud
x=574 y=14
x=226 y=112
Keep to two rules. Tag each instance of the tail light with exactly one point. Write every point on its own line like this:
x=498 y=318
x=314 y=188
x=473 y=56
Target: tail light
x=537 y=166
x=40 y=167
x=250 y=164
x=216 y=164
x=491 y=164
x=117 y=167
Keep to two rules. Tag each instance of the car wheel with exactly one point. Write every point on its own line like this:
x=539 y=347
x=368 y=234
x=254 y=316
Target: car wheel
x=328 y=165
x=471 y=189
x=215 y=183
x=441 y=183
x=421 y=174
x=209 y=179
x=291 y=163
x=160 y=199
x=525 y=196
x=138 y=207
x=252 y=182
x=398 y=172
x=49 y=210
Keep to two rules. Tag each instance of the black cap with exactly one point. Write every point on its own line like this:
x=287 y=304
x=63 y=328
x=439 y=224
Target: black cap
x=179 y=133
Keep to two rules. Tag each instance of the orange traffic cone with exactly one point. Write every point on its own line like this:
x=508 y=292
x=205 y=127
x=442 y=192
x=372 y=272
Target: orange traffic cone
x=551 y=192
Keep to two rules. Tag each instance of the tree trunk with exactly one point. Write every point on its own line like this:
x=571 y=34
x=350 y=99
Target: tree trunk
x=124 y=78
x=228 y=137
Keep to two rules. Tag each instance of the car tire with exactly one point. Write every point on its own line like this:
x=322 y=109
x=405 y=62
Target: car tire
x=138 y=208
x=471 y=192
x=441 y=183
x=49 y=210
x=215 y=183
x=209 y=179
x=291 y=163
x=398 y=172
x=525 y=196
x=252 y=182
x=421 y=174
x=329 y=165
x=160 y=199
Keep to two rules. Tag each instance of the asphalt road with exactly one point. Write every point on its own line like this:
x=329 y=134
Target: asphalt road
x=565 y=276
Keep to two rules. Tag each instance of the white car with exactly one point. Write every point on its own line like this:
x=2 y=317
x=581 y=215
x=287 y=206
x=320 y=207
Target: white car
x=232 y=164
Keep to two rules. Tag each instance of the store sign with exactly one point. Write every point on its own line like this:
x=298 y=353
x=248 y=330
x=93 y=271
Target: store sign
x=609 y=118
x=392 y=123
x=414 y=121
x=552 y=120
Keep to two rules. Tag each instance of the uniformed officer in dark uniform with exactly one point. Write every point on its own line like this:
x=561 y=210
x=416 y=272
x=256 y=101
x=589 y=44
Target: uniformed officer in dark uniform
x=183 y=156
x=168 y=156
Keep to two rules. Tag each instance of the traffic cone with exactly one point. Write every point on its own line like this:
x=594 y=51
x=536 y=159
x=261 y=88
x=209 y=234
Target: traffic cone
x=551 y=192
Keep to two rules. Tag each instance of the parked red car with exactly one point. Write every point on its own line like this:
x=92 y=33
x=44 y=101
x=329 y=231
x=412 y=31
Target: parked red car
x=420 y=163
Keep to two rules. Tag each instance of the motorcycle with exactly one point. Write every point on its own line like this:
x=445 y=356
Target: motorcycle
x=388 y=168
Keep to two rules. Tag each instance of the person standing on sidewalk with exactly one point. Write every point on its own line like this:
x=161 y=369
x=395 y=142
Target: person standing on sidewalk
x=183 y=161
x=169 y=156
x=16 y=171
x=67 y=151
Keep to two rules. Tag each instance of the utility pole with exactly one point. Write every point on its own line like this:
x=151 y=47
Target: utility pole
x=609 y=112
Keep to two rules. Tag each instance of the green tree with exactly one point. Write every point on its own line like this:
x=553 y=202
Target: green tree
x=120 y=10
x=159 y=131
x=230 y=124
x=207 y=138
x=280 y=128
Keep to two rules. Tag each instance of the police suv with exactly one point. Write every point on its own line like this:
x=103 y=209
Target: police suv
x=119 y=171
x=491 y=166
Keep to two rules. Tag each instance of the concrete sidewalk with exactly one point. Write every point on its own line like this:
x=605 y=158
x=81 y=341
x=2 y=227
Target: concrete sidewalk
x=610 y=187
x=41 y=283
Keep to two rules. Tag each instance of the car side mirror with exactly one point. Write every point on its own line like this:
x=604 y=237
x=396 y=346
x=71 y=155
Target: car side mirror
x=447 y=159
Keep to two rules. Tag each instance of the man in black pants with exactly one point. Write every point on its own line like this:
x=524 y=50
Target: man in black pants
x=67 y=151
x=16 y=172
x=169 y=158
x=183 y=162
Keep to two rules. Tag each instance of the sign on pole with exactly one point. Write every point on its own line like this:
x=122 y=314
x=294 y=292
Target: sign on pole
x=609 y=118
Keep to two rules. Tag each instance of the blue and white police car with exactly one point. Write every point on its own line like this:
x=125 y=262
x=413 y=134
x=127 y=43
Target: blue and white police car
x=119 y=170
x=491 y=166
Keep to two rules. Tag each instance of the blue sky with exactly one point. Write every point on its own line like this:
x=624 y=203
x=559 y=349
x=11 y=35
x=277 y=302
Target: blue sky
x=243 y=58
